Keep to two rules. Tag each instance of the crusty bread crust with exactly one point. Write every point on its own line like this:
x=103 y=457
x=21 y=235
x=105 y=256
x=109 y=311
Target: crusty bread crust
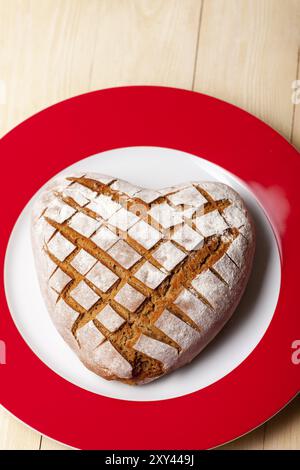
x=139 y=281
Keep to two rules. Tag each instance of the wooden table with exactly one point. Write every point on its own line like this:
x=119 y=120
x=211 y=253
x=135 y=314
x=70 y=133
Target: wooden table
x=243 y=51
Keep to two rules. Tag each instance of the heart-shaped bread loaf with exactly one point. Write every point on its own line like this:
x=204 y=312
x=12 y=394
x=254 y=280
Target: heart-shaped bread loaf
x=139 y=281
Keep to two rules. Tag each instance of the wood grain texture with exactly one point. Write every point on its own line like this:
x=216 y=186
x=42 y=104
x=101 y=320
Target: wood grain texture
x=247 y=55
x=242 y=51
x=62 y=48
x=15 y=435
x=49 y=444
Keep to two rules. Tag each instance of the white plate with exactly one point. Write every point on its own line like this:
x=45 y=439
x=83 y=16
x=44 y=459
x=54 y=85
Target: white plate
x=151 y=167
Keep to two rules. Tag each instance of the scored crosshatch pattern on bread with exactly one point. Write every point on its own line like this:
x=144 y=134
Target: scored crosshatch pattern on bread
x=143 y=270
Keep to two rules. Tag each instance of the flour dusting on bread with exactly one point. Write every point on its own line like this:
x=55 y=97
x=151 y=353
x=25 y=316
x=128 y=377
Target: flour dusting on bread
x=138 y=281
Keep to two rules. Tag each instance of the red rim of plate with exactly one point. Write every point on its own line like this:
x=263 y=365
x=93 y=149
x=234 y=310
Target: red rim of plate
x=165 y=117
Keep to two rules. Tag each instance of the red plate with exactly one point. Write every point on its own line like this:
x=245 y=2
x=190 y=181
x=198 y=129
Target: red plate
x=164 y=117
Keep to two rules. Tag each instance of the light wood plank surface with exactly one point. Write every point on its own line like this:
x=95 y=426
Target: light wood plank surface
x=248 y=52
x=49 y=444
x=54 y=49
x=243 y=51
x=15 y=435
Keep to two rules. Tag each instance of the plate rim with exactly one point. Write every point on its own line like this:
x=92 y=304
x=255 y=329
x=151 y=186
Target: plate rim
x=213 y=172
